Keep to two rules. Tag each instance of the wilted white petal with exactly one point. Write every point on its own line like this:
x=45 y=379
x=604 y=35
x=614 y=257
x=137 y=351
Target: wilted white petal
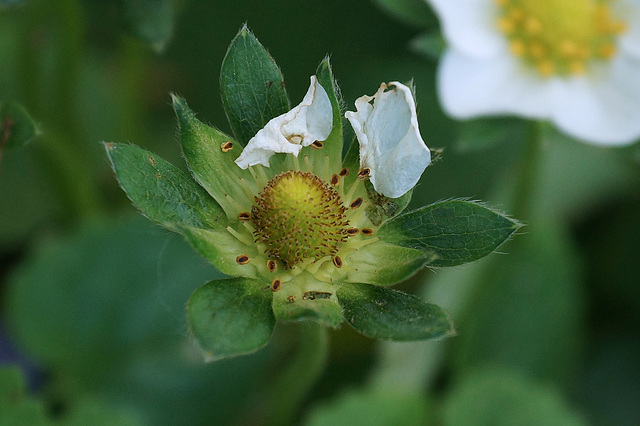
x=310 y=121
x=390 y=143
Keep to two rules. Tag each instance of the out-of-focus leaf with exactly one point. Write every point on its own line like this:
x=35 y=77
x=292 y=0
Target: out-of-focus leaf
x=9 y=3
x=150 y=20
x=104 y=312
x=454 y=232
x=252 y=86
x=15 y=408
x=506 y=398
x=386 y=314
x=485 y=133
x=231 y=317
x=373 y=408
x=161 y=191
x=430 y=45
x=414 y=12
x=526 y=310
x=16 y=126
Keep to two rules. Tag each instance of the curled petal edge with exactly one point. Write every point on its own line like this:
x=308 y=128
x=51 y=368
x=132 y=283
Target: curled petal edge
x=308 y=122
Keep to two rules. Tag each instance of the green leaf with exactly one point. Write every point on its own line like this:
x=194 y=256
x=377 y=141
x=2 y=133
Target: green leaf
x=373 y=408
x=16 y=126
x=150 y=20
x=231 y=317
x=252 y=86
x=384 y=264
x=383 y=208
x=505 y=398
x=161 y=191
x=15 y=408
x=455 y=231
x=212 y=165
x=430 y=45
x=386 y=314
x=333 y=144
x=485 y=133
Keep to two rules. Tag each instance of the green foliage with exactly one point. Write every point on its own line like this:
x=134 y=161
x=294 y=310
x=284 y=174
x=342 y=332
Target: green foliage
x=150 y=20
x=526 y=314
x=505 y=398
x=454 y=232
x=231 y=317
x=387 y=314
x=373 y=408
x=17 y=128
x=15 y=408
x=431 y=45
x=415 y=12
x=252 y=86
x=103 y=311
x=485 y=133
x=160 y=190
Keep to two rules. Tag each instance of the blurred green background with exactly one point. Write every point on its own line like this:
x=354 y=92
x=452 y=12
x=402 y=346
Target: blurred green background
x=92 y=296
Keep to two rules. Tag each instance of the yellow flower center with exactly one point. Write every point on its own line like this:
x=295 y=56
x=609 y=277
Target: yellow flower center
x=560 y=37
x=299 y=216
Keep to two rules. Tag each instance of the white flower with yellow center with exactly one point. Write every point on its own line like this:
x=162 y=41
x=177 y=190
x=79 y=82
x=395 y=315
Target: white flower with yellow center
x=573 y=62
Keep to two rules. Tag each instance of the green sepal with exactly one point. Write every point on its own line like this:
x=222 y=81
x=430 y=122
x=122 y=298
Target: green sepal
x=383 y=208
x=211 y=166
x=15 y=408
x=252 y=86
x=220 y=248
x=333 y=143
x=455 y=231
x=16 y=126
x=231 y=317
x=161 y=191
x=150 y=20
x=384 y=264
x=485 y=133
x=387 y=314
x=308 y=299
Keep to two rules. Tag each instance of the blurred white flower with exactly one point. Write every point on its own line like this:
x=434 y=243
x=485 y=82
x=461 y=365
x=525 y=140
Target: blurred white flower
x=310 y=121
x=391 y=147
x=573 y=62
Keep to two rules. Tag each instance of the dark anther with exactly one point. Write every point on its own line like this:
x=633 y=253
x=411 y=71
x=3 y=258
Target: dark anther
x=271 y=265
x=337 y=262
x=243 y=259
x=352 y=231
x=244 y=216
x=275 y=285
x=344 y=172
x=335 y=180
x=363 y=174
x=226 y=146
x=356 y=203
x=367 y=231
x=317 y=145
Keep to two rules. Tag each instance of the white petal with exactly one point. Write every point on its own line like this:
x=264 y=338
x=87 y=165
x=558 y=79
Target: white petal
x=310 y=121
x=470 y=87
x=603 y=110
x=629 y=12
x=390 y=143
x=470 y=25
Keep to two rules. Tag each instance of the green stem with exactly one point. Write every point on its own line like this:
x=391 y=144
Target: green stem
x=527 y=172
x=301 y=374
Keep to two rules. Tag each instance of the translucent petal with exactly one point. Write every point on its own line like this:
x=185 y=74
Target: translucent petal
x=604 y=109
x=470 y=87
x=306 y=123
x=470 y=25
x=390 y=143
x=629 y=11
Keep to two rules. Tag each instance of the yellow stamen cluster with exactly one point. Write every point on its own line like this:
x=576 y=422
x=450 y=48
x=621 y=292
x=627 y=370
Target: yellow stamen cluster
x=560 y=37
